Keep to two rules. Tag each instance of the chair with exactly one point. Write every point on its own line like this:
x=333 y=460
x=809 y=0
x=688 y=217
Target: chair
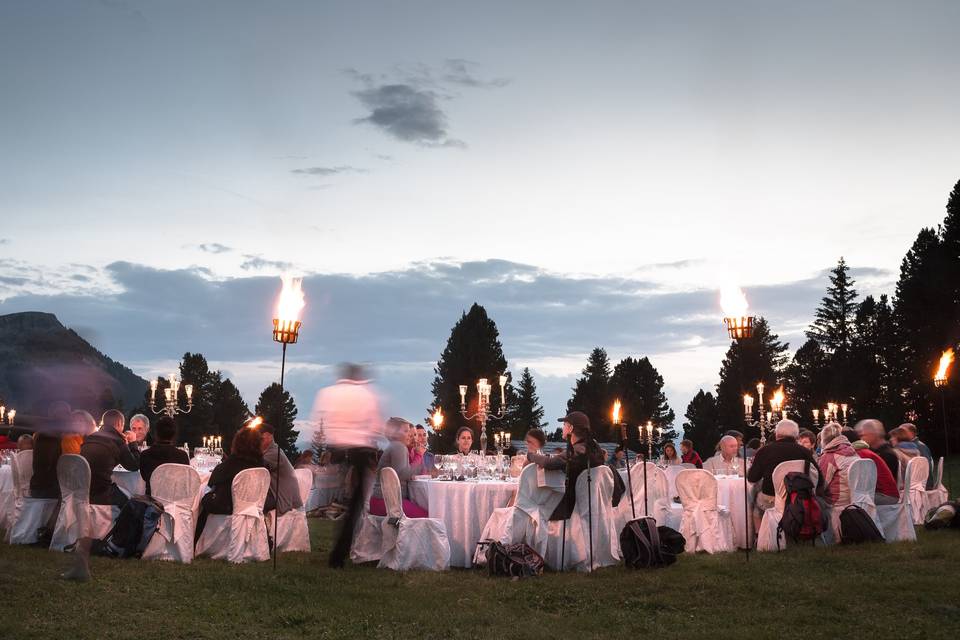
x=528 y=520
x=706 y=526
x=78 y=518
x=241 y=536
x=367 y=545
x=767 y=533
x=896 y=520
x=575 y=551
x=7 y=497
x=176 y=487
x=862 y=481
x=659 y=505
x=410 y=543
x=915 y=483
x=294 y=534
x=29 y=514
x=935 y=497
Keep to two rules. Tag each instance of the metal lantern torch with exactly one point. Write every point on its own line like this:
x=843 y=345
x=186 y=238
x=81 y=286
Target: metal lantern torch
x=437 y=419
x=940 y=379
x=626 y=450
x=286 y=330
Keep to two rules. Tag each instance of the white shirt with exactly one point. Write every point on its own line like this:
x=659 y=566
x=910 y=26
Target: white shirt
x=350 y=411
x=717 y=465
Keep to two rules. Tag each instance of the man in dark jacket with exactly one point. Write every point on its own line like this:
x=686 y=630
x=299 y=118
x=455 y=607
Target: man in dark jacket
x=162 y=451
x=875 y=435
x=104 y=450
x=783 y=449
x=46 y=451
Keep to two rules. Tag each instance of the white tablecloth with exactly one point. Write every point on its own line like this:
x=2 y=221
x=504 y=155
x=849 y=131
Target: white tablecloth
x=6 y=478
x=130 y=482
x=730 y=495
x=326 y=488
x=464 y=508
x=672 y=471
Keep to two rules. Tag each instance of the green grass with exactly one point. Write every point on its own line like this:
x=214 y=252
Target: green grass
x=889 y=590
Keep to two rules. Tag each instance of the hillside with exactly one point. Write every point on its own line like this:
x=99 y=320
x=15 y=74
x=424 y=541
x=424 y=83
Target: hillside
x=42 y=360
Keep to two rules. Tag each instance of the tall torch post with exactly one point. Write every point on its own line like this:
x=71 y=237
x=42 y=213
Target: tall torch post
x=286 y=330
x=740 y=328
x=940 y=380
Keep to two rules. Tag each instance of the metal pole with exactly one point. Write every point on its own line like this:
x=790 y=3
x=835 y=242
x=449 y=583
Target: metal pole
x=279 y=430
x=626 y=452
x=590 y=507
x=746 y=504
x=646 y=493
x=946 y=439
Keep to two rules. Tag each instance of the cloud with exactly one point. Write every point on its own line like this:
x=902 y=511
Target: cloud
x=214 y=247
x=4 y=241
x=407 y=113
x=460 y=71
x=328 y=171
x=259 y=262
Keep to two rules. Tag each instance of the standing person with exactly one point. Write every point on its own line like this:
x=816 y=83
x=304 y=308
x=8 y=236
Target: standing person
x=163 y=450
x=689 y=456
x=351 y=418
x=104 y=450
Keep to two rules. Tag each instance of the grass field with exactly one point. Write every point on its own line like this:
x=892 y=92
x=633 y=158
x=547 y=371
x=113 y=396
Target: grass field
x=878 y=591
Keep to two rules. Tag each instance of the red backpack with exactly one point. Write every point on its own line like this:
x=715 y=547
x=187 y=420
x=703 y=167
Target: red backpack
x=802 y=519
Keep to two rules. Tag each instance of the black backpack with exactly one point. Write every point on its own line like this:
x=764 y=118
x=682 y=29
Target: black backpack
x=802 y=519
x=644 y=545
x=857 y=526
x=513 y=560
x=139 y=519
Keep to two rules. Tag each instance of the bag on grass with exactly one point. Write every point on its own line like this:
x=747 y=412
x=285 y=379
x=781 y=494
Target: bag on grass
x=802 y=519
x=139 y=519
x=857 y=526
x=942 y=517
x=644 y=545
x=513 y=560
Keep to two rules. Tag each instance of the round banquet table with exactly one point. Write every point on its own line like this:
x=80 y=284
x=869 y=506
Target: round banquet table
x=464 y=508
x=730 y=495
x=130 y=482
x=326 y=487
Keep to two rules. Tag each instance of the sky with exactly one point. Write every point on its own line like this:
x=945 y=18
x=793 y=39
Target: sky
x=590 y=172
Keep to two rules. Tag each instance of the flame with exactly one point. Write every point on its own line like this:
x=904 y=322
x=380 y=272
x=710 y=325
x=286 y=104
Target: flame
x=945 y=361
x=437 y=418
x=291 y=301
x=616 y=411
x=733 y=302
x=778 y=399
x=256 y=422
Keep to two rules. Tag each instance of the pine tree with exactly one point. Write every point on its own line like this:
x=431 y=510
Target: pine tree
x=703 y=423
x=759 y=359
x=192 y=426
x=526 y=412
x=281 y=412
x=592 y=396
x=639 y=387
x=230 y=412
x=806 y=384
x=473 y=351
x=833 y=327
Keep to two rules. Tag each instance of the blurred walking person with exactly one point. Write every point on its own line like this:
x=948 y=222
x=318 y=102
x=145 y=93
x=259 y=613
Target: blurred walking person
x=350 y=411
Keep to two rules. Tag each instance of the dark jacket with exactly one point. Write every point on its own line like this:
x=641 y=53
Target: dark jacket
x=574 y=464
x=159 y=454
x=104 y=450
x=769 y=456
x=220 y=499
x=46 y=453
x=889 y=455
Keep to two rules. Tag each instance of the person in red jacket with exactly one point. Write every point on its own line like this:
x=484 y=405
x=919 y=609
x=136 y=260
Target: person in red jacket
x=886 y=484
x=688 y=455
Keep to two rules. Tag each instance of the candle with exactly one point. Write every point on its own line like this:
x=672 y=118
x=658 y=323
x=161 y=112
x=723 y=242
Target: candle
x=503 y=386
x=770 y=417
x=649 y=429
x=153 y=388
x=168 y=393
x=189 y=389
x=760 y=391
x=508 y=438
x=747 y=403
x=816 y=416
x=11 y=414
x=463 y=394
x=843 y=408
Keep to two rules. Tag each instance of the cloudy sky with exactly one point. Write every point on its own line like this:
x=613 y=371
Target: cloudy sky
x=590 y=172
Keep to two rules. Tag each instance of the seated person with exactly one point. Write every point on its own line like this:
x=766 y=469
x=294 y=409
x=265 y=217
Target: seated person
x=808 y=440
x=464 y=441
x=670 y=455
x=426 y=457
x=25 y=442
x=82 y=425
x=688 y=455
x=726 y=461
x=910 y=434
x=874 y=434
x=305 y=461
x=837 y=454
x=246 y=452
x=397 y=458
x=619 y=458
x=46 y=451
x=887 y=492
x=104 y=450
x=752 y=447
x=289 y=496
x=783 y=449
x=163 y=450
x=903 y=445
x=140 y=426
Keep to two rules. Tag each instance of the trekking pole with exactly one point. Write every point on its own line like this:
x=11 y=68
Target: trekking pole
x=626 y=453
x=590 y=509
x=746 y=506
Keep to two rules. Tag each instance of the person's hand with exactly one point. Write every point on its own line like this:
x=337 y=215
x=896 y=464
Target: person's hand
x=421 y=449
x=130 y=436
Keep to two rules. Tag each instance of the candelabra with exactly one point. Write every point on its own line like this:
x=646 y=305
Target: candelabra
x=10 y=415
x=483 y=407
x=765 y=420
x=830 y=414
x=171 y=403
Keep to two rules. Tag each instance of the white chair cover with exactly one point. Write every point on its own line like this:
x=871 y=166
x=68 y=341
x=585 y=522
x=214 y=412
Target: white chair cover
x=932 y=498
x=706 y=526
x=294 y=534
x=896 y=520
x=915 y=483
x=327 y=486
x=528 y=520
x=410 y=543
x=606 y=539
x=77 y=517
x=7 y=497
x=176 y=487
x=767 y=533
x=659 y=505
x=242 y=536
x=367 y=545
x=29 y=514
x=862 y=480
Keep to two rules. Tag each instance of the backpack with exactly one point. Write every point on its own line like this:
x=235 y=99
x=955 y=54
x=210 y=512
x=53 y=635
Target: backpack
x=644 y=545
x=139 y=519
x=857 y=526
x=513 y=560
x=802 y=519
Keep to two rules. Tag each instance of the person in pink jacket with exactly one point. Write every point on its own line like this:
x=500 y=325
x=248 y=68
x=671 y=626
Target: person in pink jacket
x=836 y=456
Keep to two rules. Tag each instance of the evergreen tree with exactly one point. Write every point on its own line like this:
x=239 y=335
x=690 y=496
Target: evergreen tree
x=281 y=412
x=759 y=359
x=639 y=387
x=230 y=412
x=526 y=412
x=806 y=384
x=833 y=330
x=192 y=426
x=473 y=351
x=592 y=396
x=876 y=387
x=703 y=423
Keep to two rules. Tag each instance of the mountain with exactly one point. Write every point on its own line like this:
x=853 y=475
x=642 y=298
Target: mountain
x=41 y=360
